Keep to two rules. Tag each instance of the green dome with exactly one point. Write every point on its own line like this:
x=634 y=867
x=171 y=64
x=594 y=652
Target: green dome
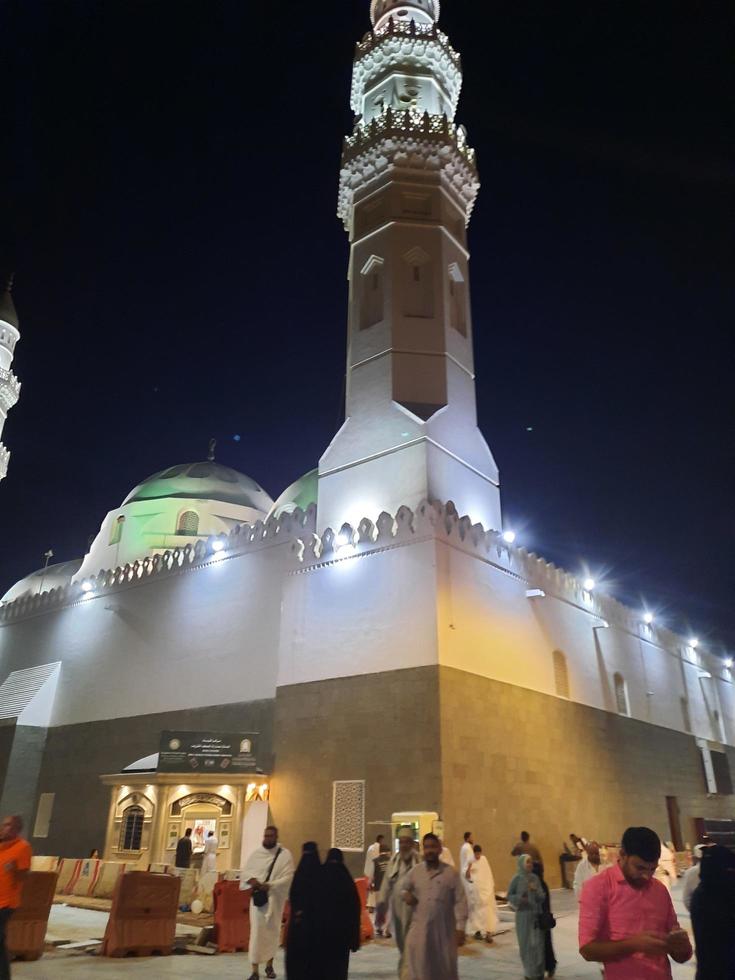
x=202 y=481
x=300 y=494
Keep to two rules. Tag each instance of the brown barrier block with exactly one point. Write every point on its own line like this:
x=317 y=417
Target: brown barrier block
x=231 y=917
x=143 y=915
x=27 y=926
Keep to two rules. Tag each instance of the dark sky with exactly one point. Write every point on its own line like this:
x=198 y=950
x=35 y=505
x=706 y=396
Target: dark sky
x=169 y=208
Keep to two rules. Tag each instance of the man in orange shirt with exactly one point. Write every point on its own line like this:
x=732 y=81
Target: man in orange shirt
x=15 y=861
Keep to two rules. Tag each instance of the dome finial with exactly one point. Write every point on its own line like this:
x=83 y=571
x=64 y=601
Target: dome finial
x=421 y=11
x=212 y=447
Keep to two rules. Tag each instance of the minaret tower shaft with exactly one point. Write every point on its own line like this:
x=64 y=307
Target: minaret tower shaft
x=408 y=183
x=9 y=384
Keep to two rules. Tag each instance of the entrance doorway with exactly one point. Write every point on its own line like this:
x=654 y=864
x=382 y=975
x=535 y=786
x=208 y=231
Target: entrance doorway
x=672 y=807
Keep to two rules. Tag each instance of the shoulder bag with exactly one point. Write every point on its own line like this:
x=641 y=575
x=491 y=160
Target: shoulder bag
x=260 y=898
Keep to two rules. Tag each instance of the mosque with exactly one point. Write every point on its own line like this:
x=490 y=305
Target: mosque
x=371 y=647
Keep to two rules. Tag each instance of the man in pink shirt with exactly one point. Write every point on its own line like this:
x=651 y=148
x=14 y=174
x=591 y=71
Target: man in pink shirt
x=626 y=918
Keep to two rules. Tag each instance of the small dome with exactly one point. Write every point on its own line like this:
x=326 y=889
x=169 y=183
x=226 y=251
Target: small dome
x=202 y=481
x=45 y=579
x=300 y=494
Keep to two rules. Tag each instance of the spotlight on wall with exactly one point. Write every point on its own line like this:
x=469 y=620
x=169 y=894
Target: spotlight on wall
x=728 y=662
x=218 y=545
x=509 y=536
x=648 y=618
x=588 y=584
x=694 y=643
x=87 y=586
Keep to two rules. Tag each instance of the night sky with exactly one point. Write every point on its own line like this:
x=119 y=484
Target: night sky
x=168 y=205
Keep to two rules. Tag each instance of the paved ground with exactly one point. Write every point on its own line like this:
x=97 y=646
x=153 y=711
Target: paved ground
x=376 y=961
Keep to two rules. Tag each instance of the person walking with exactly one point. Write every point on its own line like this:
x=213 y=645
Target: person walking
x=524 y=846
x=713 y=914
x=526 y=898
x=691 y=877
x=15 y=863
x=435 y=893
x=209 y=861
x=379 y=865
x=183 y=850
x=338 y=930
x=546 y=922
x=589 y=866
x=390 y=902
x=268 y=871
x=302 y=959
x=370 y=854
x=626 y=918
x=666 y=870
x=483 y=911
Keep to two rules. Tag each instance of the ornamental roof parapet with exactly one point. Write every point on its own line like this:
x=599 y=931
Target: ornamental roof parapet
x=433 y=520
x=424 y=49
x=243 y=539
x=429 y=129
x=9 y=389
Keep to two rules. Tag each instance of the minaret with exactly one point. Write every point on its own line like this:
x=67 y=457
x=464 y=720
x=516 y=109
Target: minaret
x=9 y=384
x=408 y=183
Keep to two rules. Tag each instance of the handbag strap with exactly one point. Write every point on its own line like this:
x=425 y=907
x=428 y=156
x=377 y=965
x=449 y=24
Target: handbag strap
x=273 y=864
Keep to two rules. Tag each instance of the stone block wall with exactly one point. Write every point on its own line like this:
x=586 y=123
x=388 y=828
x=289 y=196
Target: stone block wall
x=383 y=728
x=514 y=759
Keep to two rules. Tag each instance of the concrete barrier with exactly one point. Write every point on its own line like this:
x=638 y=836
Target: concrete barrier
x=27 y=926
x=143 y=915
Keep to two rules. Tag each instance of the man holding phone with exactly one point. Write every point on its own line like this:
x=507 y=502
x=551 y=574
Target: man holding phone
x=626 y=918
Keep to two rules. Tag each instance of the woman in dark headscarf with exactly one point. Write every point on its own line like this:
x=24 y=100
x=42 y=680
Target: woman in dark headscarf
x=713 y=915
x=339 y=919
x=301 y=942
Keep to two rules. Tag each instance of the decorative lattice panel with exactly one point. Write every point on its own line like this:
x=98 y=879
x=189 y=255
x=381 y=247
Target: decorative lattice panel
x=348 y=814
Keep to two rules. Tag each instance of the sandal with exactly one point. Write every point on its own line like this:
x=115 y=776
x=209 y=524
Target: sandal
x=270 y=973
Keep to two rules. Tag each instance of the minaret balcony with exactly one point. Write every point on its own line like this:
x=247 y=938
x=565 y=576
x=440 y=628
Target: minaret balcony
x=9 y=389
x=420 y=48
x=408 y=123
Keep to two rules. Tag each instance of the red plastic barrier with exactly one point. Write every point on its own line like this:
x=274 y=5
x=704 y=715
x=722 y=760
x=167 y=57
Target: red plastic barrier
x=143 y=915
x=27 y=925
x=231 y=917
x=366 y=926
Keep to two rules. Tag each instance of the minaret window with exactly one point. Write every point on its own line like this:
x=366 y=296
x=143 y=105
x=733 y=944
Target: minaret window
x=370 y=294
x=457 y=300
x=117 y=529
x=418 y=284
x=188 y=523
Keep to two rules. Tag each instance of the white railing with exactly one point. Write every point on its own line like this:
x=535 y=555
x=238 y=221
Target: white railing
x=408 y=122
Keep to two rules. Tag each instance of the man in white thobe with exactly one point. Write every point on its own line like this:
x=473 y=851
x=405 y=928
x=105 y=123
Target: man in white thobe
x=209 y=861
x=466 y=857
x=446 y=855
x=666 y=870
x=436 y=895
x=269 y=869
x=390 y=900
x=483 y=911
x=692 y=877
x=372 y=852
x=589 y=866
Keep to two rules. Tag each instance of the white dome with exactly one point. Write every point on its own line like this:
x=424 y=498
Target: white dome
x=43 y=580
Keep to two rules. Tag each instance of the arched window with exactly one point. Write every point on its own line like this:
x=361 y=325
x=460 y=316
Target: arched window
x=561 y=674
x=418 y=288
x=131 y=831
x=621 y=695
x=117 y=529
x=188 y=522
x=370 y=295
x=457 y=300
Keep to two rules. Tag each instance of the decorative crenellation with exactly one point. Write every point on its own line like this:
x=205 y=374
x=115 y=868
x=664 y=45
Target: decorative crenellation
x=9 y=389
x=425 y=50
x=413 y=141
x=242 y=539
x=4 y=460
x=434 y=520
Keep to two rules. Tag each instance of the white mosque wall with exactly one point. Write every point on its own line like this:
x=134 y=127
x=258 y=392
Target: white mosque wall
x=197 y=636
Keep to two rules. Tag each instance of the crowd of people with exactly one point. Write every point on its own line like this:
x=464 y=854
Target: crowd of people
x=627 y=922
